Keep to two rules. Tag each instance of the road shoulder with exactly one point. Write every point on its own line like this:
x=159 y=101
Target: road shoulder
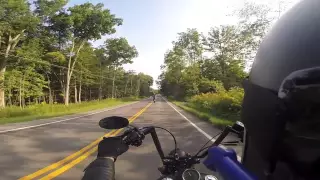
x=11 y=127
x=208 y=128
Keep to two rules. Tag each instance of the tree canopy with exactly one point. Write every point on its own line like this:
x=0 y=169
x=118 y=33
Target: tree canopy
x=46 y=55
x=201 y=63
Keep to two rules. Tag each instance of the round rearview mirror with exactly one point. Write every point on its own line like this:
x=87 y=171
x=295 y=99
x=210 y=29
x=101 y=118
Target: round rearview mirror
x=113 y=122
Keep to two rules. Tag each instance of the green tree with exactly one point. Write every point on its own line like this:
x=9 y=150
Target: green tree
x=119 y=52
x=87 y=63
x=182 y=65
x=89 y=22
x=15 y=19
x=48 y=8
x=46 y=56
x=129 y=78
x=254 y=22
x=104 y=63
x=191 y=45
x=145 y=81
x=228 y=48
x=24 y=72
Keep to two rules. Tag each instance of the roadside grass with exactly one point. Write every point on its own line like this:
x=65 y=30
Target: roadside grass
x=15 y=114
x=204 y=115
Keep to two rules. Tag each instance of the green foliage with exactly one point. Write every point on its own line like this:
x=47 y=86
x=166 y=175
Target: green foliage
x=188 y=72
x=207 y=70
x=145 y=82
x=228 y=46
x=189 y=43
x=210 y=85
x=15 y=16
x=48 y=7
x=226 y=105
x=58 y=32
x=55 y=57
x=204 y=114
x=30 y=49
x=255 y=21
x=207 y=85
x=23 y=77
x=46 y=57
x=119 y=52
x=92 y=21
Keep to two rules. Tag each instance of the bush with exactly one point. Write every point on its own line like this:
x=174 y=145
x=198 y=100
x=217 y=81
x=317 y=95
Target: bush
x=212 y=86
x=224 y=104
x=218 y=122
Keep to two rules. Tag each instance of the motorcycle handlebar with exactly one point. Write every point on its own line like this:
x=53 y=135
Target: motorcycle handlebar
x=221 y=137
x=151 y=130
x=134 y=136
x=145 y=131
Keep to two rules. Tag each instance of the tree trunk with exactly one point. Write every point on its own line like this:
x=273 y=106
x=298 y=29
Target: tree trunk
x=50 y=96
x=50 y=91
x=66 y=94
x=2 y=72
x=125 y=88
x=62 y=81
x=80 y=89
x=138 y=88
x=2 y=97
x=100 y=85
x=89 y=94
x=71 y=66
x=113 y=80
x=10 y=98
x=100 y=92
x=20 y=94
x=85 y=94
x=69 y=74
x=54 y=97
x=131 y=86
x=75 y=92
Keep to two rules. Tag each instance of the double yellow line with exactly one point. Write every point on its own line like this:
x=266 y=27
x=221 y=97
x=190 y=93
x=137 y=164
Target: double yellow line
x=76 y=157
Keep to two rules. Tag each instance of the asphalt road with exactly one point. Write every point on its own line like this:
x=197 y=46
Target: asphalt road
x=52 y=151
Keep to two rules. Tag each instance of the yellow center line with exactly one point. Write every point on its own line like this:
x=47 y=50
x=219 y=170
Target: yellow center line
x=76 y=154
x=85 y=155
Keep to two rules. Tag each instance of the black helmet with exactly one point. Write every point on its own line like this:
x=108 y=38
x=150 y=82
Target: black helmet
x=281 y=106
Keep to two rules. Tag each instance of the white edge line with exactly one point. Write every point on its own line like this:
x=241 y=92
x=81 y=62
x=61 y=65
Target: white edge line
x=54 y=122
x=200 y=130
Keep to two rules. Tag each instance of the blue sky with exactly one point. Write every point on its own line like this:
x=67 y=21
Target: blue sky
x=151 y=25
